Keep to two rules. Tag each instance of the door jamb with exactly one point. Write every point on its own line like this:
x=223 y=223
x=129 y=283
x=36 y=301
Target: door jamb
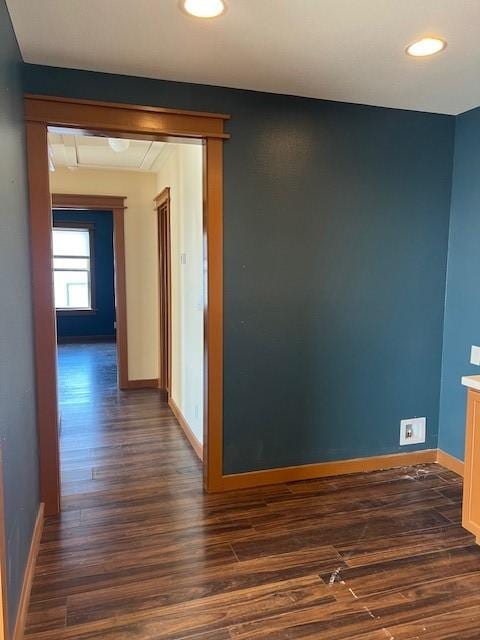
x=115 y=204
x=162 y=200
x=153 y=123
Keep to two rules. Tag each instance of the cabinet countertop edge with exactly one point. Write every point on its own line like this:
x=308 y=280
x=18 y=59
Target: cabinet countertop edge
x=472 y=382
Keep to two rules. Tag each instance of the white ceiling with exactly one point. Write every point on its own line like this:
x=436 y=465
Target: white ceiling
x=95 y=152
x=348 y=50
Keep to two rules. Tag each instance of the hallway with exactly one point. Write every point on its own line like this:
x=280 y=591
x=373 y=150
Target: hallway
x=140 y=552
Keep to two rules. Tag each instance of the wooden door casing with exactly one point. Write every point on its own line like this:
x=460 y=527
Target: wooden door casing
x=162 y=203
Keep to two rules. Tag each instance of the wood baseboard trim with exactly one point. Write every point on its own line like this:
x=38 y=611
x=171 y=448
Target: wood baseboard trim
x=324 y=469
x=151 y=383
x=191 y=437
x=450 y=462
x=28 y=577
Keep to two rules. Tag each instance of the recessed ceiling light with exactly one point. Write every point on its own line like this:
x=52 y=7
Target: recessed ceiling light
x=204 y=8
x=118 y=144
x=426 y=47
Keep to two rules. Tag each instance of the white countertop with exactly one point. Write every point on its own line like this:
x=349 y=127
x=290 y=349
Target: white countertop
x=473 y=382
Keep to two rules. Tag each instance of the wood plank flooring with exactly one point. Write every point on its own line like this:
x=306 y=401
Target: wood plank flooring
x=141 y=553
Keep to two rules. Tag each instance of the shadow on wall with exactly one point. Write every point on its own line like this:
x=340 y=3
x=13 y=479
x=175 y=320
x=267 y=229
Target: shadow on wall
x=462 y=306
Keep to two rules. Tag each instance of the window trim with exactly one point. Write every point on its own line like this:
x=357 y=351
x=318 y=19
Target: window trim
x=90 y=226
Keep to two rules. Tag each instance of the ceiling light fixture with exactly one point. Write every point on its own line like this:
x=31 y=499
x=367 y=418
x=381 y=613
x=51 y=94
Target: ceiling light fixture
x=204 y=8
x=118 y=144
x=426 y=47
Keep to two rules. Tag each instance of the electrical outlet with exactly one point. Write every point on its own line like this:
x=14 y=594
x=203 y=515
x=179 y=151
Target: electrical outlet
x=475 y=355
x=412 y=431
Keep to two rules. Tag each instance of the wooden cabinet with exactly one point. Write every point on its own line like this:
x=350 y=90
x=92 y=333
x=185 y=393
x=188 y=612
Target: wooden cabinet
x=471 y=481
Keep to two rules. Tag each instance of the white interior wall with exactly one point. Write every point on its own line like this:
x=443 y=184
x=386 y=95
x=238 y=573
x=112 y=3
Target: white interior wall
x=180 y=168
x=141 y=254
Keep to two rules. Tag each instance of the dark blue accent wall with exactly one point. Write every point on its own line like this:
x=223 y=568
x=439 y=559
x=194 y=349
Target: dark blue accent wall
x=18 y=437
x=462 y=305
x=101 y=323
x=336 y=228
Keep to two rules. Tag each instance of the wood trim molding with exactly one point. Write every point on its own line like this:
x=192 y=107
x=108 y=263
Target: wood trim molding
x=162 y=197
x=323 y=469
x=162 y=207
x=213 y=320
x=28 y=577
x=340 y=467
x=44 y=325
x=150 y=383
x=115 y=204
x=89 y=116
x=191 y=437
x=450 y=462
x=124 y=105
x=82 y=201
x=44 y=113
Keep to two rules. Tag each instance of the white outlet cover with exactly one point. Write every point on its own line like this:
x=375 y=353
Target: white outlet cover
x=475 y=355
x=417 y=427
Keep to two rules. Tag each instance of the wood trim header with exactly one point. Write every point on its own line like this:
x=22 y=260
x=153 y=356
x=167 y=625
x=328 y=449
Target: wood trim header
x=79 y=201
x=124 y=105
x=162 y=197
x=124 y=120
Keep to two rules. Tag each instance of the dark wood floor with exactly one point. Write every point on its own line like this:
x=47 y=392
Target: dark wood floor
x=141 y=553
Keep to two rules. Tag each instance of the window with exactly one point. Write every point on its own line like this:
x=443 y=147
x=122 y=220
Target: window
x=72 y=267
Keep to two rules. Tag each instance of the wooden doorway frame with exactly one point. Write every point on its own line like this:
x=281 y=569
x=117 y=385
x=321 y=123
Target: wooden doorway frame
x=115 y=204
x=44 y=113
x=162 y=205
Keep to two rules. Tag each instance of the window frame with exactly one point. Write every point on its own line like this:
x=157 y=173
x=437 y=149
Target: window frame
x=90 y=226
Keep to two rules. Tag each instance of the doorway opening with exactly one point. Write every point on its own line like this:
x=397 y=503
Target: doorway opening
x=93 y=226
x=61 y=115
x=83 y=279
x=128 y=293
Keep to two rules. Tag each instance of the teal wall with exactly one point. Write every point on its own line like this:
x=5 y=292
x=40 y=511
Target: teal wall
x=336 y=232
x=462 y=305
x=336 y=228
x=17 y=401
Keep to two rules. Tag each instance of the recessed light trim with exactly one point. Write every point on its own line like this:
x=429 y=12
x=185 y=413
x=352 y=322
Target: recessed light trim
x=427 y=46
x=118 y=144
x=204 y=8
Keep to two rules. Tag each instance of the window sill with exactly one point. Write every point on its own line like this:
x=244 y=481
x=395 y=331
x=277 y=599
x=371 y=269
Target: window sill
x=75 y=312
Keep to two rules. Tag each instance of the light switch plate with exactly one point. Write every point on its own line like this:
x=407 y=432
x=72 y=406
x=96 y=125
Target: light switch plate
x=475 y=355
x=412 y=431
